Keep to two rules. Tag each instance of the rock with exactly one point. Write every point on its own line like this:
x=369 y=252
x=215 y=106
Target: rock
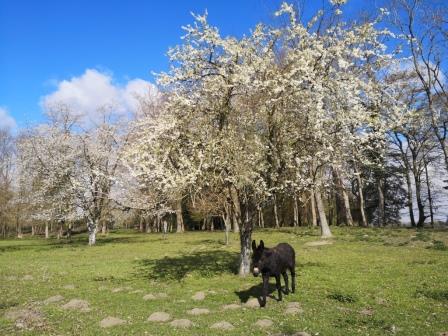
x=223 y=325
x=301 y=333
x=181 y=323
x=231 y=306
x=252 y=303
x=161 y=295
x=319 y=243
x=28 y=277
x=159 y=317
x=54 y=299
x=443 y=333
x=293 y=311
x=77 y=304
x=137 y=291
x=263 y=323
x=199 y=296
x=293 y=305
x=198 y=311
x=116 y=290
x=111 y=322
x=366 y=312
x=69 y=287
x=25 y=318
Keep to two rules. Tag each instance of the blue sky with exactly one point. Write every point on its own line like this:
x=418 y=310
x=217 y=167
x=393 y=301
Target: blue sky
x=45 y=42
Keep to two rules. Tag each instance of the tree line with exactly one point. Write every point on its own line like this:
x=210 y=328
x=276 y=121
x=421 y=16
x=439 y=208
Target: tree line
x=298 y=123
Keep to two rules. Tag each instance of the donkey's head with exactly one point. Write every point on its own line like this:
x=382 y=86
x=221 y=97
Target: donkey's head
x=257 y=257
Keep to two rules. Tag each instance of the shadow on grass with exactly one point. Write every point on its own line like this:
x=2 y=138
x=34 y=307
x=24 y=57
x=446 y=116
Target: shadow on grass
x=74 y=242
x=205 y=263
x=255 y=292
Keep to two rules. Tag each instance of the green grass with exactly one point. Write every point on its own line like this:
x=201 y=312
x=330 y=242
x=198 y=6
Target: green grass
x=398 y=276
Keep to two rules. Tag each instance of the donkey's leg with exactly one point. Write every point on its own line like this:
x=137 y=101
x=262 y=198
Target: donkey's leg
x=293 y=280
x=279 y=287
x=285 y=276
x=265 y=289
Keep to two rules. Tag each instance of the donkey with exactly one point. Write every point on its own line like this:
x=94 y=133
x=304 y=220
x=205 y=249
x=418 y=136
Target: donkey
x=274 y=262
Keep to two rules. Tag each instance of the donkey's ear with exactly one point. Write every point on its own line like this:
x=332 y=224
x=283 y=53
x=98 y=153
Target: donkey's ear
x=261 y=244
x=254 y=245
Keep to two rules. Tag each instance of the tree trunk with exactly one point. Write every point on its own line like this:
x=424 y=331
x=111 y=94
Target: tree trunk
x=47 y=235
x=361 y=197
x=60 y=231
x=410 y=201
x=33 y=230
x=245 y=232
x=296 y=211
x=324 y=228
x=345 y=198
x=313 y=209
x=141 y=228
x=179 y=218
x=277 y=224
x=92 y=228
x=235 y=223
x=428 y=187
x=69 y=231
x=227 y=223
x=104 y=228
x=19 y=228
x=418 y=197
x=381 y=204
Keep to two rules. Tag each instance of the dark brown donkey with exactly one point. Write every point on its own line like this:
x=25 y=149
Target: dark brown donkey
x=273 y=262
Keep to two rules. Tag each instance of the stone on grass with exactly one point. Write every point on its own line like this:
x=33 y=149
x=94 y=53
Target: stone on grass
x=53 y=299
x=366 y=312
x=319 y=243
x=252 y=303
x=231 y=306
x=77 y=304
x=199 y=296
x=264 y=323
x=293 y=308
x=25 y=318
x=159 y=317
x=69 y=287
x=181 y=323
x=161 y=295
x=223 y=325
x=111 y=321
x=301 y=333
x=198 y=311
x=28 y=277
x=116 y=290
x=443 y=333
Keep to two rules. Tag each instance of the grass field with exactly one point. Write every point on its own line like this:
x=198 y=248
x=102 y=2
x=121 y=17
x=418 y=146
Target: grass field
x=366 y=282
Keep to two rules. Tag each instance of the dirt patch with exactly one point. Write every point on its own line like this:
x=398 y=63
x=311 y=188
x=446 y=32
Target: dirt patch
x=53 y=299
x=181 y=323
x=319 y=243
x=199 y=296
x=223 y=325
x=117 y=290
x=198 y=311
x=27 y=318
x=231 y=306
x=69 y=287
x=77 y=304
x=159 y=317
x=28 y=277
x=366 y=312
x=264 y=323
x=111 y=322
x=149 y=297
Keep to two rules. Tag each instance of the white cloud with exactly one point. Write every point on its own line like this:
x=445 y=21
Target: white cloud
x=6 y=121
x=87 y=94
